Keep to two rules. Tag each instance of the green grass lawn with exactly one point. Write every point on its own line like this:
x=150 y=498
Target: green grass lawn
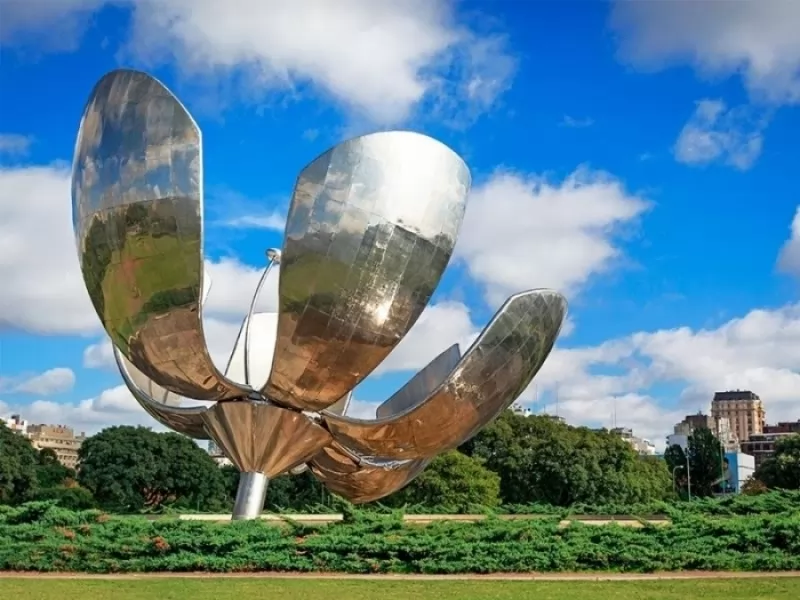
x=245 y=588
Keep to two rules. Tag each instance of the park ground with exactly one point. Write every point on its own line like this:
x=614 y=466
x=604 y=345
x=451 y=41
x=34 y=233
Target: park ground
x=143 y=587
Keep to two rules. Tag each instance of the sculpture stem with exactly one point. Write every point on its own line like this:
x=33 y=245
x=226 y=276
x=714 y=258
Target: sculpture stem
x=250 y=496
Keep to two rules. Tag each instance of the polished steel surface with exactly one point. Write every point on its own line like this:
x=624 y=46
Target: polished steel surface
x=490 y=376
x=371 y=227
x=137 y=213
x=263 y=438
x=422 y=384
x=250 y=496
x=361 y=481
x=165 y=407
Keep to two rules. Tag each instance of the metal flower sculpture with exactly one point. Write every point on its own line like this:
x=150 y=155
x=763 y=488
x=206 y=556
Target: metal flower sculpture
x=371 y=228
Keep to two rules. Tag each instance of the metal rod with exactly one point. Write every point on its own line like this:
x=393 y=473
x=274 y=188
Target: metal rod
x=273 y=258
x=250 y=496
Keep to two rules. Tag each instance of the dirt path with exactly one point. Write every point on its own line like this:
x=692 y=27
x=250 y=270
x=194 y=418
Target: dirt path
x=494 y=577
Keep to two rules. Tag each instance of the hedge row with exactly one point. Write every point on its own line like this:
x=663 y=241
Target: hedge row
x=42 y=537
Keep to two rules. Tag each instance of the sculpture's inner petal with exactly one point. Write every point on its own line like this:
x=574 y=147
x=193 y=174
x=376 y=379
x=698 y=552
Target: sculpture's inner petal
x=259 y=437
x=422 y=385
x=371 y=228
x=164 y=406
x=137 y=212
x=362 y=482
x=491 y=375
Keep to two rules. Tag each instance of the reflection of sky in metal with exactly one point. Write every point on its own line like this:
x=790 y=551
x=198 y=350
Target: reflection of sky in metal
x=138 y=144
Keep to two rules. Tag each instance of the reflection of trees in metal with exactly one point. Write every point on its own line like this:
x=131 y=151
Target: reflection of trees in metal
x=371 y=228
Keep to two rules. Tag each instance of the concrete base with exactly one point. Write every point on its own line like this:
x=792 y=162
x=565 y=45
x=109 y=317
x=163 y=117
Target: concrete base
x=250 y=496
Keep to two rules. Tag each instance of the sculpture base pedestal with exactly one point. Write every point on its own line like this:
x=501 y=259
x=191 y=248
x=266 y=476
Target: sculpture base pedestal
x=250 y=496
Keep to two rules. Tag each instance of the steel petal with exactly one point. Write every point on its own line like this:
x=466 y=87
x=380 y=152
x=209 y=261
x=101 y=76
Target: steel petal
x=137 y=212
x=371 y=228
x=490 y=376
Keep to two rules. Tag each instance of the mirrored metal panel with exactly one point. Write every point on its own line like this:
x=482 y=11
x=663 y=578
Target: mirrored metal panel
x=260 y=437
x=371 y=228
x=491 y=375
x=361 y=480
x=422 y=384
x=137 y=213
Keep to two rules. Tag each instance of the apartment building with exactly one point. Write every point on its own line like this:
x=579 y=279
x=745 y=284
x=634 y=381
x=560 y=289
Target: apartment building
x=744 y=411
x=59 y=438
x=719 y=426
x=762 y=445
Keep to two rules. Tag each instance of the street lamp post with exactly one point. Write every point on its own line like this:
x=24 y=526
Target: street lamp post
x=688 y=478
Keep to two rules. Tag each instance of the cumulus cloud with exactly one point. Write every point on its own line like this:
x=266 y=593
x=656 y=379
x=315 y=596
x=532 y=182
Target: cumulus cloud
x=42 y=289
x=755 y=38
x=522 y=231
x=715 y=132
x=52 y=381
x=380 y=60
x=114 y=406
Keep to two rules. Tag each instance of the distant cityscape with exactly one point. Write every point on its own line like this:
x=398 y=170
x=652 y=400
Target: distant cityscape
x=737 y=418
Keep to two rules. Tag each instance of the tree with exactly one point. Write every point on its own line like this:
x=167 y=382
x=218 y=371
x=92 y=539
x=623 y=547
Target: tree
x=49 y=472
x=540 y=459
x=17 y=467
x=705 y=458
x=782 y=469
x=134 y=468
x=453 y=481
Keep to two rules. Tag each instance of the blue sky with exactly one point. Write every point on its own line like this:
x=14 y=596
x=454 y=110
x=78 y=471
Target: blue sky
x=640 y=157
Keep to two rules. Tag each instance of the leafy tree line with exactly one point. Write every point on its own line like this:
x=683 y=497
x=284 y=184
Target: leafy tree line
x=517 y=460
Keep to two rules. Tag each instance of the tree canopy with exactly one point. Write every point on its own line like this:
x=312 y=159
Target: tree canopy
x=782 y=469
x=453 y=481
x=540 y=459
x=134 y=468
x=705 y=460
x=18 y=460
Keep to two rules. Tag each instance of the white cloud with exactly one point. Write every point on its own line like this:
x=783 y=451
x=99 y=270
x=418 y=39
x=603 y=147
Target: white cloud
x=717 y=133
x=42 y=289
x=789 y=257
x=378 y=59
x=274 y=221
x=522 y=232
x=114 y=406
x=755 y=38
x=52 y=381
x=14 y=144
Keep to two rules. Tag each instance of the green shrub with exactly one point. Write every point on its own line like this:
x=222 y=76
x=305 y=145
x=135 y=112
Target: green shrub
x=44 y=537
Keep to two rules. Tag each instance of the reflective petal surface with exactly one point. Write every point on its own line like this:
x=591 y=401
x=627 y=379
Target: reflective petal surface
x=371 y=228
x=491 y=375
x=422 y=385
x=137 y=214
x=362 y=481
x=259 y=437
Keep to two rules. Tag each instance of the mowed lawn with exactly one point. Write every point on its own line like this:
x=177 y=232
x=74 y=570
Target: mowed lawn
x=209 y=588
